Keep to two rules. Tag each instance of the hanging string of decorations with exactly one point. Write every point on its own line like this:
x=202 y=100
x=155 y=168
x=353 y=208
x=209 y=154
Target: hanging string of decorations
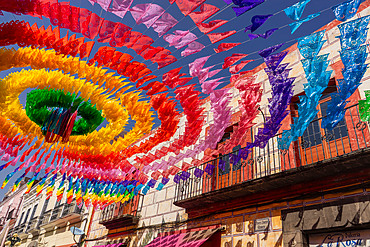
x=60 y=120
x=60 y=123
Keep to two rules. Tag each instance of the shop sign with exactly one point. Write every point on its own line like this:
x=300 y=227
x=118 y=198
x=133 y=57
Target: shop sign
x=261 y=225
x=360 y=238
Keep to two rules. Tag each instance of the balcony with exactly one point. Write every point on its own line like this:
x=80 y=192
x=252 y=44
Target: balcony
x=71 y=212
x=312 y=163
x=122 y=214
x=32 y=226
x=56 y=212
x=44 y=219
x=21 y=230
x=60 y=215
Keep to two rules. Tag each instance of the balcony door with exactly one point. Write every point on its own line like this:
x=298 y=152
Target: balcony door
x=349 y=135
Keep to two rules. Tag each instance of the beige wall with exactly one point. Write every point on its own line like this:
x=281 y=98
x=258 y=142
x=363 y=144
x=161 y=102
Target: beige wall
x=53 y=235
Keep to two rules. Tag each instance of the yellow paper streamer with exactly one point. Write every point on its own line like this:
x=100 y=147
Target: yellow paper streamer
x=38 y=59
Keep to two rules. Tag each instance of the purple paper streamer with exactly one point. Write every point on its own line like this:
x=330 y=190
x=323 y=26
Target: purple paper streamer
x=185 y=175
x=282 y=92
x=273 y=61
x=209 y=169
x=198 y=172
x=176 y=178
x=265 y=35
x=268 y=51
x=257 y=21
x=245 y=5
x=165 y=180
x=222 y=165
x=152 y=183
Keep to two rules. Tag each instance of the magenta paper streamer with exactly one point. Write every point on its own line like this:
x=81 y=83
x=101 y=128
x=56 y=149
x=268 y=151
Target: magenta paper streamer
x=180 y=38
x=147 y=13
x=153 y=15
x=210 y=85
x=250 y=97
x=220 y=100
x=192 y=48
x=164 y=24
x=120 y=7
x=104 y=3
x=196 y=66
x=206 y=73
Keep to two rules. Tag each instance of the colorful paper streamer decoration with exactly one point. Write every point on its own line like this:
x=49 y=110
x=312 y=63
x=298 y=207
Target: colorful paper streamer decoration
x=353 y=55
x=346 y=10
x=317 y=77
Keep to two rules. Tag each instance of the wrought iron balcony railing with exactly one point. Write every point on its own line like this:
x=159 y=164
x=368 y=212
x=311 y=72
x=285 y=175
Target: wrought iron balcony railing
x=122 y=214
x=316 y=145
x=33 y=224
x=56 y=212
x=71 y=208
x=44 y=218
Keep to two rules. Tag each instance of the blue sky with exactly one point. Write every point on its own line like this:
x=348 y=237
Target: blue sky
x=235 y=23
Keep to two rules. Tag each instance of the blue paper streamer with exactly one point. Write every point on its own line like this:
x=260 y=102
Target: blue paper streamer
x=346 y=10
x=296 y=10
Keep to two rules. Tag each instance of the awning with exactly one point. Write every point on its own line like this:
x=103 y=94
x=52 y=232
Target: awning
x=184 y=239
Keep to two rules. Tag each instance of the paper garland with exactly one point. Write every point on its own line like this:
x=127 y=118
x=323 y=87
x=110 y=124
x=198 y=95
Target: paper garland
x=38 y=101
x=353 y=55
x=315 y=68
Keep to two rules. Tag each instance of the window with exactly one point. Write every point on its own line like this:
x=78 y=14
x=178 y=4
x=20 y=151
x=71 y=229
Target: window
x=20 y=220
x=227 y=165
x=340 y=130
x=312 y=135
x=45 y=206
x=28 y=213
x=227 y=134
x=10 y=214
x=237 y=166
x=33 y=211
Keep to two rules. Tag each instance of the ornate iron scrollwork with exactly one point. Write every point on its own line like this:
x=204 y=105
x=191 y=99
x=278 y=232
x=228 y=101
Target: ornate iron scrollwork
x=250 y=162
x=183 y=185
x=328 y=137
x=284 y=151
x=305 y=144
x=361 y=125
x=244 y=164
x=259 y=159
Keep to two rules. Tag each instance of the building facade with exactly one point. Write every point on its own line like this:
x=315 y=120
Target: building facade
x=314 y=193
x=10 y=208
x=47 y=222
